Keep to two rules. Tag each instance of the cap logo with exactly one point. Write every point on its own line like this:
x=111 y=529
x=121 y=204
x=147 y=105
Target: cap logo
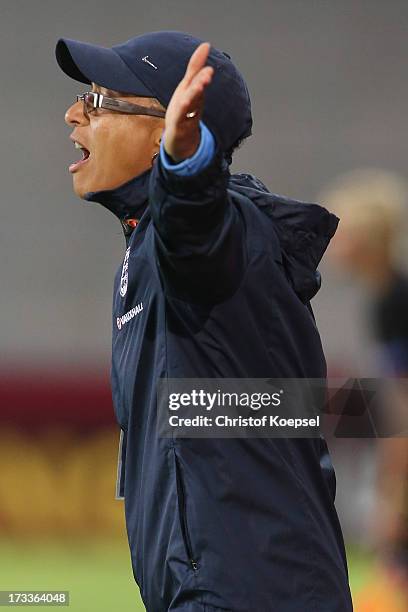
x=146 y=60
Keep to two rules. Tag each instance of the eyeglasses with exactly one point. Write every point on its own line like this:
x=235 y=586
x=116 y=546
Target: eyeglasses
x=93 y=100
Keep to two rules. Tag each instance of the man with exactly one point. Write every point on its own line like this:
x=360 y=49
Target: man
x=215 y=283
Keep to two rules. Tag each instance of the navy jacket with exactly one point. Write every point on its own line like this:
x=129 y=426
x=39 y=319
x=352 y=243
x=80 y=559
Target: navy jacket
x=216 y=282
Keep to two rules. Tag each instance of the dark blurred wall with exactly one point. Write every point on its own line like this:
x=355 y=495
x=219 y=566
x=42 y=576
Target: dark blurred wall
x=329 y=91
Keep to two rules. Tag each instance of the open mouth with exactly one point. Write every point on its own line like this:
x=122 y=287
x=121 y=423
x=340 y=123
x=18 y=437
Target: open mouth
x=85 y=157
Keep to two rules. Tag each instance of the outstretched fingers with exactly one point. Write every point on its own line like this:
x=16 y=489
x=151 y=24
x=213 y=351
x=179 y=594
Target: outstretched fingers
x=195 y=90
x=186 y=106
x=196 y=62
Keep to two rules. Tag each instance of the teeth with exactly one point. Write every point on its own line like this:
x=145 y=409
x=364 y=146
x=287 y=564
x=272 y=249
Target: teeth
x=77 y=145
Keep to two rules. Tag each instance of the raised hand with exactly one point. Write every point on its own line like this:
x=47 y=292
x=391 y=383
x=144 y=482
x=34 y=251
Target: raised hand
x=182 y=132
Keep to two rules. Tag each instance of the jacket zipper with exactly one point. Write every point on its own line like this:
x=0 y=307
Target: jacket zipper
x=182 y=514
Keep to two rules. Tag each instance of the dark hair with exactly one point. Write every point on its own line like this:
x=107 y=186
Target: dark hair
x=229 y=153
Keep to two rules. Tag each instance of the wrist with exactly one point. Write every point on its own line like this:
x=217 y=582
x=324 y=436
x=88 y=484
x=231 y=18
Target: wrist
x=180 y=152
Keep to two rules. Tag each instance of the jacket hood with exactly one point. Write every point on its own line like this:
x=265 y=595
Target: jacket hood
x=304 y=231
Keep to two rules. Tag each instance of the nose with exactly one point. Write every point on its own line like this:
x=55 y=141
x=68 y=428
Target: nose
x=75 y=114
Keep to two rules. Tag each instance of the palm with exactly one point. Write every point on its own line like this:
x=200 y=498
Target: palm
x=182 y=134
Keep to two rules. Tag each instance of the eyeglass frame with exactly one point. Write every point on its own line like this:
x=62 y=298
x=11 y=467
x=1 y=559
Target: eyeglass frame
x=115 y=104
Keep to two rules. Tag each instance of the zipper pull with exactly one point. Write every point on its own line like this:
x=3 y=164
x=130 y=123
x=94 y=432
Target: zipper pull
x=194 y=564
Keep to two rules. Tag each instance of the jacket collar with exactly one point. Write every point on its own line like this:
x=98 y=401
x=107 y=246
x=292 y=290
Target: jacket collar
x=128 y=201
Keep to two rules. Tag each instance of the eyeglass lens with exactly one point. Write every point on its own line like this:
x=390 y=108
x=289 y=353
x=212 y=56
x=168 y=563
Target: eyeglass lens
x=87 y=101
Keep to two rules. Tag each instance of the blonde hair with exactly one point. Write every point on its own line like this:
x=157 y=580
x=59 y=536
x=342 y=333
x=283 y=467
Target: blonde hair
x=369 y=200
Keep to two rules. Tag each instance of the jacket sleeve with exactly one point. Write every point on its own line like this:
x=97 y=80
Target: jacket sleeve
x=198 y=232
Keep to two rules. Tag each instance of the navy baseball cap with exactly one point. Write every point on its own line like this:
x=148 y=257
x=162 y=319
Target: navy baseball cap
x=152 y=65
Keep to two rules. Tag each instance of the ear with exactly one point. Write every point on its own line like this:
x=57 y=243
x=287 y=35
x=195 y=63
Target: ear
x=157 y=136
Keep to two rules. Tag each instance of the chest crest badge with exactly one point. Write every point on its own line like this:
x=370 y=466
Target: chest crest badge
x=124 y=276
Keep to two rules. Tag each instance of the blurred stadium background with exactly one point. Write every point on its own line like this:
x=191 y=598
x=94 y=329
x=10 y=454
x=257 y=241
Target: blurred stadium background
x=330 y=90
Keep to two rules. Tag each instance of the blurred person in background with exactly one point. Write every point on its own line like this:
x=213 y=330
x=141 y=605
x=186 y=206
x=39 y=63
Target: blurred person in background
x=216 y=282
x=373 y=206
